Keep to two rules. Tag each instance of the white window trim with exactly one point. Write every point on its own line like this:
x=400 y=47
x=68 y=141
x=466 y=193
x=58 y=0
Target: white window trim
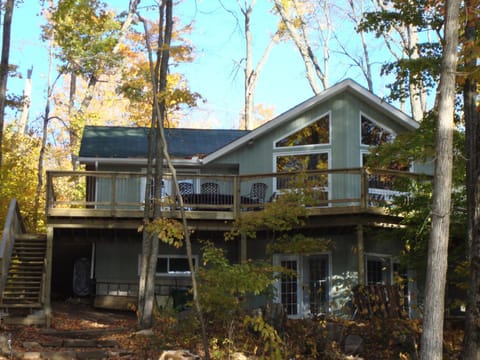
x=363 y=152
x=376 y=122
x=391 y=261
x=303 y=152
x=171 y=274
x=302 y=308
x=328 y=113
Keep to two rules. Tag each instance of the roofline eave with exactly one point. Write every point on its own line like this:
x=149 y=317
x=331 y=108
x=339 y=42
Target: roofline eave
x=347 y=84
x=135 y=161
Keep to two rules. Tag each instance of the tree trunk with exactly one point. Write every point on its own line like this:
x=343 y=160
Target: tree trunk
x=46 y=119
x=249 y=73
x=432 y=336
x=27 y=97
x=471 y=347
x=7 y=25
x=301 y=41
x=160 y=109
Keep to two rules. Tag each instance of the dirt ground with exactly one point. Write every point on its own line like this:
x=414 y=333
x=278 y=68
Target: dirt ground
x=76 y=328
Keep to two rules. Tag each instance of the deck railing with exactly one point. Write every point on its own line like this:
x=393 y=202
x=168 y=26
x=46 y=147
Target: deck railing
x=13 y=226
x=123 y=194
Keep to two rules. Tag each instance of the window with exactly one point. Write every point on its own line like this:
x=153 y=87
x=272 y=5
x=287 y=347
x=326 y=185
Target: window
x=305 y=290
x=379 y=269
x=374 y=135
x=313 y=134
x=298 y=162
x=172 y=265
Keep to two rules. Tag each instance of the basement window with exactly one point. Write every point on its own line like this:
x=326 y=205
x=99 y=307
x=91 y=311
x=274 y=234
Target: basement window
x=174 y=265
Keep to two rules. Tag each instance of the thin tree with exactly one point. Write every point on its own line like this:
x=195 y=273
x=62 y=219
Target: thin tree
x=252 y=73
x=293 y=14
x=471 y=348
x=27 y=95
x=46 y=119
x=432 y=336
x=158 y=75
x=7 y=25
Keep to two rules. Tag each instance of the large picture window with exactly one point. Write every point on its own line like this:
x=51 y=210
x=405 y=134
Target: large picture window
x=374 y=135
x=313 y=134
x=299 y=162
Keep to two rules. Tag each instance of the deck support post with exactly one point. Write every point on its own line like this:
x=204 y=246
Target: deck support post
x=48 y=278
x=243 y=248
x=361 y=255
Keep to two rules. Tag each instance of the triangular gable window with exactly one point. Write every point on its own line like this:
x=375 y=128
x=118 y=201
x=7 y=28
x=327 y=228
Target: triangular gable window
x=374 y=135
x=315 y=133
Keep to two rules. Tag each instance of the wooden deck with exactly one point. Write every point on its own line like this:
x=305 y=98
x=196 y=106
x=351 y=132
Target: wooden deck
x=116 y=198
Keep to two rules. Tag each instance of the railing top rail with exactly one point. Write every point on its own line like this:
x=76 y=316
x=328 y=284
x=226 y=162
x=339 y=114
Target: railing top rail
x=58 y=173
x=251 y=175
x=397 y=172
x=13 y=212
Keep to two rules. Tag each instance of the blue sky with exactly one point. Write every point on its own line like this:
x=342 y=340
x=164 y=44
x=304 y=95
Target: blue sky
x=214 y=73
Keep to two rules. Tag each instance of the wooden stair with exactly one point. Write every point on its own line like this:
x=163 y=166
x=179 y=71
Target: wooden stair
x=22 y=293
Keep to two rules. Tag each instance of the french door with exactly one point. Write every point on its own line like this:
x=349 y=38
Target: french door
x=303 y=289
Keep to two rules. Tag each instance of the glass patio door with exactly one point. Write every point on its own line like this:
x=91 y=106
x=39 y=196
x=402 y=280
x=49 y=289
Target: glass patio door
x=304 y=291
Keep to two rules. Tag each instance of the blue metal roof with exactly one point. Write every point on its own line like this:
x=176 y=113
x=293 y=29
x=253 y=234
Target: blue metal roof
x=132 y=142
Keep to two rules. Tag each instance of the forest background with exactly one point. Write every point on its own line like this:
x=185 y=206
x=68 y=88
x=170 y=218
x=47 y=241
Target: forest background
x=97 y=75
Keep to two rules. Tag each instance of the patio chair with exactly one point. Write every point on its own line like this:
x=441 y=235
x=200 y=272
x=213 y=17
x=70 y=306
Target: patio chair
x=209 y=188
x=258 y=191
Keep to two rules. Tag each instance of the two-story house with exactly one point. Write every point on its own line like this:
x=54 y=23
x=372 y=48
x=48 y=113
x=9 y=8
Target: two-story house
x=94 y=215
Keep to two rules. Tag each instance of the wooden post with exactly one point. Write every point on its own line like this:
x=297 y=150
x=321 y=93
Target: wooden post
x=48 y=278
x=361 y=255
x=236 y=196
x=243 y=248
x=364 y=187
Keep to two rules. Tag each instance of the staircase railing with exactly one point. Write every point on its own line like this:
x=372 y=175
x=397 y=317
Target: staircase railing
x=13 y=226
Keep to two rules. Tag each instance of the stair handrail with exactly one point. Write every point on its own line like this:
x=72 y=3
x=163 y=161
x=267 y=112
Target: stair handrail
x=13 y=226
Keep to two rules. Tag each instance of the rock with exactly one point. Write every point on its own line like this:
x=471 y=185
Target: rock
x=77 y=343
x=353 y=344
x=31 y=355
x=239 y=356
x=91 y=355
x=31 y=345
x=145 y=332
x=178 y=355
x=335 y=332
x=4 y=344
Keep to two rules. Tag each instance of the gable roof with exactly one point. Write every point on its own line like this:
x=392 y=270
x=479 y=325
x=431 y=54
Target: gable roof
x=106 y=142
x=347 y=85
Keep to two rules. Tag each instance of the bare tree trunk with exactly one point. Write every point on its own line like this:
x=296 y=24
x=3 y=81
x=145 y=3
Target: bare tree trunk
x=417 y=95
x=7 y=25
x=251 y=73
x=46 y=119
x=432 y=336
x=300 y=38
x=471 y=347
x=27 y=95
x=160 y=108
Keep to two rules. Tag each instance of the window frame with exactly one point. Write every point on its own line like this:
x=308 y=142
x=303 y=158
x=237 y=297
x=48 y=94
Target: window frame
x=171 y=273
x=303 y=305
x=392 y=260
x=328 y=114
x=299 y=153
x=376 y=123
